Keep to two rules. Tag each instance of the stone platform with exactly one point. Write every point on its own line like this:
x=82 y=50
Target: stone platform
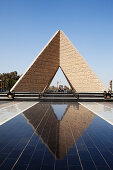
x=57 y=97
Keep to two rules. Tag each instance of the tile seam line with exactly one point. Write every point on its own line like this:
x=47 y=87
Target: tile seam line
x=47 y=141
x=97 y=114
x=75 y=145
x=56 y=146
x=18 y=113
x=29 y=141
x=66 y=149
x=99 y=151
x=107 y=149
x=10 y=152
x=37 y=143
x=88 y=151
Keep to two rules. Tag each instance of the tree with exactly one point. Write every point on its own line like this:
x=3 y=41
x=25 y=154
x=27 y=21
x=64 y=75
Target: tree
x=8 y=80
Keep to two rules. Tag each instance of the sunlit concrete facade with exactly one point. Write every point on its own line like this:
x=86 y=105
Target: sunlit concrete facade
x=59 y=52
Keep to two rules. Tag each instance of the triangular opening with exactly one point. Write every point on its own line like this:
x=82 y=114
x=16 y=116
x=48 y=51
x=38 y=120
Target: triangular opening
x=59 y=110
x=59 y=83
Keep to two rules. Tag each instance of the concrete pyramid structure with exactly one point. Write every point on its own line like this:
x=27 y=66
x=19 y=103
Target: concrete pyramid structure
x=59 y=52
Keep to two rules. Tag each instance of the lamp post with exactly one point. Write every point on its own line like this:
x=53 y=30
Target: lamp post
x=110 y=85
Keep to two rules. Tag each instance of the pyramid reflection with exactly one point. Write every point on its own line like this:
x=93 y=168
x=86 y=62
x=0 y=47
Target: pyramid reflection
x=56 y=134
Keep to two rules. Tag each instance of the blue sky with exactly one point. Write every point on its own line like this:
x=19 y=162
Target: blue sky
x=27 y=25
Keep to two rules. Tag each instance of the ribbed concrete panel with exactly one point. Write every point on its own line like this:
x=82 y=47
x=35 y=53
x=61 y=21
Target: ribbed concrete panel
x=76 y=69
x=43 y=69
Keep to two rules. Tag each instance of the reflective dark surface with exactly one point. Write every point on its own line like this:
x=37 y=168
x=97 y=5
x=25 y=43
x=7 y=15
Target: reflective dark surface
x=56 y=136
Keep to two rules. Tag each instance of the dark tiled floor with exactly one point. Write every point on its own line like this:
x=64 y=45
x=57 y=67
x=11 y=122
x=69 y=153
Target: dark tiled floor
x=56 y=136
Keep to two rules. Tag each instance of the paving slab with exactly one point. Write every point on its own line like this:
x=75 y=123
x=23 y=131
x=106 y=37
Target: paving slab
x=103 y=110
x=13 y=109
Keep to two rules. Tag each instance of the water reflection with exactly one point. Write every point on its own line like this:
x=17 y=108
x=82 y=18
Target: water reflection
x=52 y=125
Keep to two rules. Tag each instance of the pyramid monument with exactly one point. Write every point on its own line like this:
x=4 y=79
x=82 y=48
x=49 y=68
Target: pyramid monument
x=59 y=52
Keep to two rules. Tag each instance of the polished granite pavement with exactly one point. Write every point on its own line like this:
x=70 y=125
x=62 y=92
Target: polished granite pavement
x=102 y=109
x=12 y=109
x=56 y=136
